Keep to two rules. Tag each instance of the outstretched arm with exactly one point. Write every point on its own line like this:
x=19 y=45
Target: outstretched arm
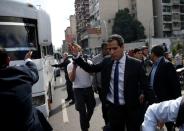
x=75 y=50
x=160 y=113
x=32 y=69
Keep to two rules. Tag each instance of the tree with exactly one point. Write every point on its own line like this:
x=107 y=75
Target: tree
x=128 y=27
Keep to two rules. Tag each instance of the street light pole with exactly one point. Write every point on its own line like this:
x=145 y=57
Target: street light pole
x=150 y=33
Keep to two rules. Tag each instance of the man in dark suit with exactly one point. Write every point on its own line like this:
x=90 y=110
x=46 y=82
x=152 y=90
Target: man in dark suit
x=123 y=84
x=163 y=79
x=69 y=89
x=16 y=112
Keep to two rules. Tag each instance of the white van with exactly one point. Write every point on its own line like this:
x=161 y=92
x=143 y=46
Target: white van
x=24 y=28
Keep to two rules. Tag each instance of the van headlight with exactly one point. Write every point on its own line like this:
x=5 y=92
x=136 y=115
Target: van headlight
x=38 y=100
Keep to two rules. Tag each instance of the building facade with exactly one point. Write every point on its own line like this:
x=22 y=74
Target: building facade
x=73 y=27
x=170 y=21
x=95 y=18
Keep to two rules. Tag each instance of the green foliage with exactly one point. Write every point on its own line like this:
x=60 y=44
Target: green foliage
x=174 y=51
x=177 y=48
x=128 y=27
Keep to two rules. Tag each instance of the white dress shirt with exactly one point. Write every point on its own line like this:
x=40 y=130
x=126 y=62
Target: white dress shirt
x=110 y=95
x=166 y=111
x=82 y=79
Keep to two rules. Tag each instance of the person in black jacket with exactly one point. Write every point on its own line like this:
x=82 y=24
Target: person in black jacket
x=163 y=79
x=123 y=84
x=64 y=65
x=16 y=112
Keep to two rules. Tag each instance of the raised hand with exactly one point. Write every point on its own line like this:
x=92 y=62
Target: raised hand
x=28 y=55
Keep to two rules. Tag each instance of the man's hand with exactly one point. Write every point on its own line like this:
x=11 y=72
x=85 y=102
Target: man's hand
x=28 y=55
x=160 y=124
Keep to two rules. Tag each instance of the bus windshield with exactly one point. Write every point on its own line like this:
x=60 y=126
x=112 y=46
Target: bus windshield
x=19 y=38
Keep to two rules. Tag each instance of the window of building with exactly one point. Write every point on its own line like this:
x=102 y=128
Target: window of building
x=167 y=17
x=182 y=17
x=181 y=1
x=167 y=26
x=166 y=1
x=182 y=9
x=167 y=34
x=176 y=17
x=182 y=25
x=166 y=8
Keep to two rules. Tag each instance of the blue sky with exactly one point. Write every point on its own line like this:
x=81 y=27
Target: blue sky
x=59 y=11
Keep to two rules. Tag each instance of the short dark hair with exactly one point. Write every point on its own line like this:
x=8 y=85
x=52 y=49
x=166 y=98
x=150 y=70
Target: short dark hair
x=136 y=50
x=118 y=38
x=158 y=50
x=104 y=44
x=3 y=57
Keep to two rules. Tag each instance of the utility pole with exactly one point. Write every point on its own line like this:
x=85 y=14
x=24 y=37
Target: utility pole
x=150 y=32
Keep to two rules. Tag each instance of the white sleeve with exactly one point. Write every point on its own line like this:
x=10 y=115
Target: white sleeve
x=164 y=111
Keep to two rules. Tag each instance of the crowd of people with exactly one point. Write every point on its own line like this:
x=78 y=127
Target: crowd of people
x=138 y=90
x=128 y=85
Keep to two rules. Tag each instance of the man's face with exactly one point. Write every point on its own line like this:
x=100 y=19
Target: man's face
x=115 y=50
x=153 y=57
x=65 y=56
x=145 y=52
x=138 y=55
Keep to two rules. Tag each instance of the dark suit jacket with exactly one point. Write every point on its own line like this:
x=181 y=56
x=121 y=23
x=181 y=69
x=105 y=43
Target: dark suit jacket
x=134 y=78
x=166 y=83
x=64 y=65
x=16 y=112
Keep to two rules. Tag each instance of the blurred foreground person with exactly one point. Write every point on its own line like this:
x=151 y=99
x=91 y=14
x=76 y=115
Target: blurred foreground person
x=167 y=111
x=16 y=112
x=69 y=89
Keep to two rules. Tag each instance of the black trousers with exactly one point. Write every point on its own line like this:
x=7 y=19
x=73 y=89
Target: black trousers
x=69 y=89
x=85 y=104
x=104 y=106
x=170 y=126
x=121 y=116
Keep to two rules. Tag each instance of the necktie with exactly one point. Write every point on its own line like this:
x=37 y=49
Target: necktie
x=116 y=80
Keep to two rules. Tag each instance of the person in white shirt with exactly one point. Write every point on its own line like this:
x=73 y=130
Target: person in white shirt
x=83 y=93
x=166 y=111
x=97 y=85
